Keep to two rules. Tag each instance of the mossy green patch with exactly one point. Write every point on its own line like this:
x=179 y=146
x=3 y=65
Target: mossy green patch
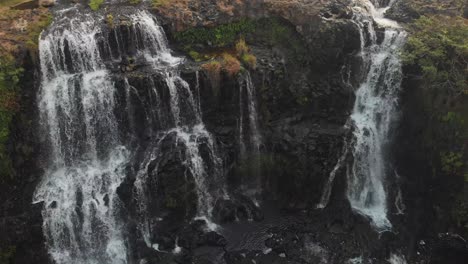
x=95 y=4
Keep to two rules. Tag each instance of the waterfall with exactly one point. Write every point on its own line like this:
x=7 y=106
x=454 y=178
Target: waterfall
x=396 y=259
x=86 y=163
x=373 y=115
x=250 y=138
x=255 y=139
x=189 y=128
x=88 y=154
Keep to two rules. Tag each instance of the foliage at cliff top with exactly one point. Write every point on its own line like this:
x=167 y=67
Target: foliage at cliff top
x=438 y=46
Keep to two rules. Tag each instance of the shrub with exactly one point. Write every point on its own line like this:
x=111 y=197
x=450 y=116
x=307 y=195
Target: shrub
x=95 y=4
x=219 y=36
x=241 y=47
x=231 y=64
x=212 y=67
x=452 y=162
x=438 y=47
x=213 y=70
x=110 y=20
x=195 y=55
x=250 y=60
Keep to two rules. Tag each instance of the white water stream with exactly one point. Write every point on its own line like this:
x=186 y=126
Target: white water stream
x=373 y=115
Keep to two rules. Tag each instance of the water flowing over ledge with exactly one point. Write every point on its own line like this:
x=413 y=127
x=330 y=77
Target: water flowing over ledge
x=374 y=114
x=89 y=156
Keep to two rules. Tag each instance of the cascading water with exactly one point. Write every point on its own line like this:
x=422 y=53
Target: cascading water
x=255 y=138
x=250 y=138
x=189 y=129
x=87 y=159
x=373 y=114
x=89 y=155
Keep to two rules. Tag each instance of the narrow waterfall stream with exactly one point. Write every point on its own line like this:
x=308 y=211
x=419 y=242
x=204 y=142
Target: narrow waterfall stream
x=89 y=155
x=373 y=115
x=250 y=138
x=255 y=139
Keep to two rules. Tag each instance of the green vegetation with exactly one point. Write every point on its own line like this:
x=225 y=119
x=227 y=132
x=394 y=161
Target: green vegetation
x=110 y=20
x=159 y=3
x=423 y=6
x=233 y=36
x=437 y=53
x=452 y=162
x=95 y=4
x=6 y=255
x=438 y=47
x=249 y=60
x=269 y=30
x=243 y=52
x=10 y=75
x=219 y=36
x=241 y=47
x=35 y=29
x=134 y=2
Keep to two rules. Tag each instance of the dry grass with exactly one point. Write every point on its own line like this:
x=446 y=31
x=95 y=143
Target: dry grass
x=213 y=70
x=241 y=47
x=8 y=3
x=212 y=67
x=231 y=65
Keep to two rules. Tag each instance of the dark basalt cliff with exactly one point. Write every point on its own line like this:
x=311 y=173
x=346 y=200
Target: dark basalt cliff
x=306 y=73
